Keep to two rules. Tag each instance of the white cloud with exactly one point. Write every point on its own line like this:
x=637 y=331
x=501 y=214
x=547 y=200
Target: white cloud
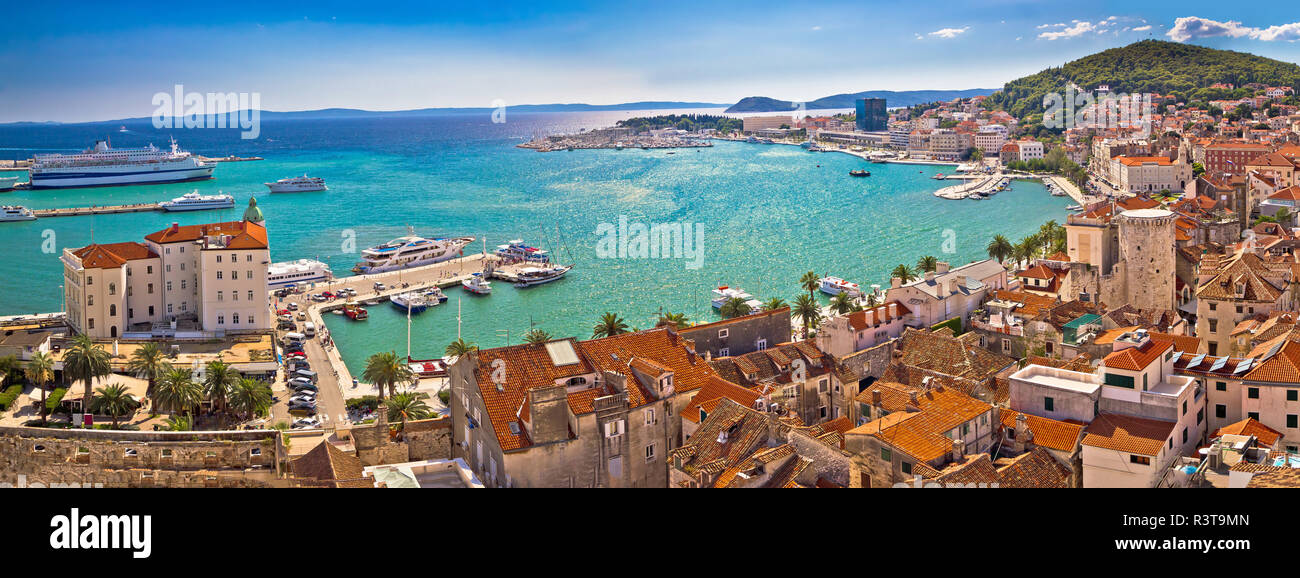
x=949 y=32
x=1142 y=28
x=1076 y=30
x=1059 y=25
x=1194 y=27
x=815 y=28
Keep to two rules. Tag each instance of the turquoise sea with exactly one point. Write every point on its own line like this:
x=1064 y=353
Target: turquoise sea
x=768 y=213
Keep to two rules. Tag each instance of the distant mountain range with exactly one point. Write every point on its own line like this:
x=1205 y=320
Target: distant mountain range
x=892 y=99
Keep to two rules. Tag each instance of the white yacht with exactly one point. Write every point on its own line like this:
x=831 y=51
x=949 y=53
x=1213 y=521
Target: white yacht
x=409 y=251
x=103 y=165
x=517 y=250
x=531 y=276
x=297 y=272
x=724 y=293
x=835 y=286
x=15 y=213
x=297 y=185
x=196 y=202
x=411 y=302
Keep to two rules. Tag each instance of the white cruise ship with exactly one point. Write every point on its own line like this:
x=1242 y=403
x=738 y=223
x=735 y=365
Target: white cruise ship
x=835 y=286
x=409 y=251
x=196 y=202
x=298 y=272
x=301 y=184
x=102 y=165
x=16 y=213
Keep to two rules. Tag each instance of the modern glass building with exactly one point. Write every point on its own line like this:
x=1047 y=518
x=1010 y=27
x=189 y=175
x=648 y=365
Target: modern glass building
x=872 y=115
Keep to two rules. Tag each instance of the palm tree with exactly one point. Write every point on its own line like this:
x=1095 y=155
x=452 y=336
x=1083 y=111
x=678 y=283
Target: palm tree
x=385 y=370
x=610 y=325
x=86 y=361
x=734 y=307
x=536 y=336
x=408 y=405
x=927 y=263
x=1022 y=252
x=678 y=320
x=460 y=347
x=843 y=304
x=10 y=368
x=219 y=381
x=872 y=300
x=176 y=391
x=774 y=303
x=250 y=397
x=807 y=308
x=999 y=248
x=903 y=272
x=149 y=363
x=810 y=282
x=40 y=371
x=114 y=401
x=180 y=423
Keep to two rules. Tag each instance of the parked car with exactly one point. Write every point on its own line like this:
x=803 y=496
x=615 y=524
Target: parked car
x=299 y=386
x=380 y=286
x=302 y=411
x=305 y=374
x=291 y=307
x=301 y=316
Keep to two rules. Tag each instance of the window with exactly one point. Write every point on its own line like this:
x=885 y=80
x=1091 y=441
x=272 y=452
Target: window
x=168 y=268
x=1006 y=346
x=650 y=416
x=1291 y=395
x=112 y=288
x=221 y=320
x=1220 y=386
x=234 y=319
x=149 y=269
x=234 y=274
x=184 y=284
x=1213 y=306
x=1184 y=407
x=151 y=288
x=218 y=258
x=616 y=467
x=1125 y=381
x=1049 y=404
x=1252 y=392
x=250 y=295
x=615 y=428
x=1214 y=325
x=218 y=274
x=1253 y=415
x=907 y=468
x=886 y=455
x=90 y=280
x=1184 y=435
x=1140 y=460
x=724 y=352
x=221 y=296
x=169 y=286
x=965 y=428
x=650 y=453
x=723 y=333
x=112 y=310
x=821 y=411
x=822 y=386
x=761 y=343
x=1291 y=420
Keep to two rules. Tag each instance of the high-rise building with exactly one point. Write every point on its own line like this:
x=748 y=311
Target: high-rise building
x=872 y=115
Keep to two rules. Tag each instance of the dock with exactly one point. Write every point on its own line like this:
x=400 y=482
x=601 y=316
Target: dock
x=105 y=210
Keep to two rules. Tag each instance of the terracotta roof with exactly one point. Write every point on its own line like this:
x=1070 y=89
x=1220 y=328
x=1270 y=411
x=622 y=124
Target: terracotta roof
x=1049 y=433
x=1267 y=436
x=113 y=255
x=1278 y=478
x=1036 y=468
x=716 y=389
x=1031 y=304
x=1138 y=357
x=1260 y=281
x=1282 y=367
x=1124 y=433
x=920 y=430
x=331 y=466
x=950 y=355
x=244 y=235
x=880 y=313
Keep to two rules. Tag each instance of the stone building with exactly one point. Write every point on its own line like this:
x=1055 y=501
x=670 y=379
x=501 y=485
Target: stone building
x=740 y=335
x=1236 y=288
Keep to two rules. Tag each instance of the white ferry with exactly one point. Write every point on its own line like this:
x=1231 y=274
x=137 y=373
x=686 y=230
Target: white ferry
x=516 y=250
x=409 y=251
x=102 y=165
x=835 y=286
x=724 y=293
x=301 y=184
x=297 y=272
x=531 y=276
x=196 y=202
x=15 y=213
x=477 y=284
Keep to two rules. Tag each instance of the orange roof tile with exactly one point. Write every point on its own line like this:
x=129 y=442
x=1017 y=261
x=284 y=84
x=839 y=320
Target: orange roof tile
x=1137 y=358
x=1267 y=436
x=1124 y=433
x=1049 y=433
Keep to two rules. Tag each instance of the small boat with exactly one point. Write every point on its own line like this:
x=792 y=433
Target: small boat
x=859 y=173
x=434 y=296
x=1074 y=208
x=478 y=285
x=427 y=367
x=723 y=294
x=533 y=276
x=939 y=176
x=410 y=302
x=517 y=250
x=355 y=312
x=16 y=213
x=196 y=202
x=836 y=285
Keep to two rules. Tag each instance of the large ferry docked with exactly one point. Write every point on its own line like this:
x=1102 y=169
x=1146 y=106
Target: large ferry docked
x=409 y=251
x=297 y=272
x=102 y=165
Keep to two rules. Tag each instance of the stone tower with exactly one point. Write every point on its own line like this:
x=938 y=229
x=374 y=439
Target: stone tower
x=1146 y=258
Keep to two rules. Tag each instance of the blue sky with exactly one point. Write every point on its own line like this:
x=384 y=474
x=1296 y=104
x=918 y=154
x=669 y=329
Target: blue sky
x=75 y=62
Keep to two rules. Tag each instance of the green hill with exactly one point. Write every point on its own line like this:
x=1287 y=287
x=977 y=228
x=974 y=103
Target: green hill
x=1184 y=71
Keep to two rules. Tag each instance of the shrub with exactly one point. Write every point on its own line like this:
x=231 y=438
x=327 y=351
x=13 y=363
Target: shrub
x=445 y=397
x=55 y=397
x=363 y=403
x=10 y=394
x=954 y=324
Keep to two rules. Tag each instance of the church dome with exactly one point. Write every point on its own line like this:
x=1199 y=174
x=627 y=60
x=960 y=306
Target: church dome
x=253 y=214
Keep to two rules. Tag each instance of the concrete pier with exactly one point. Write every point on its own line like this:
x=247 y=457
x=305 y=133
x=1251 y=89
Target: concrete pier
x=105 y=210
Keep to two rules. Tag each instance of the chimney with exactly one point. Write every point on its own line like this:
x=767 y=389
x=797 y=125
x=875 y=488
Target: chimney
x=893 y=310
x=914 y=398
x=929 y=275
x=875 y=398
x=951 y=286
x=961 y=280
x=176 y=227
x=942 y=267
x=958 y=450
x=1023 y=435
x=870 y=315
x=895 y=282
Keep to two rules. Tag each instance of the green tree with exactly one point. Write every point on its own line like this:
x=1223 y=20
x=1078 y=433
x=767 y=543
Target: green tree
x=734 y=307
x=678 y=320
x=40 y=372
x=180 y=423
x=385 y=370
x=177 y=392
x=808 y=310
x=409 y=406
x=903 y=272
x=459 y=348
x=999 y=248
x=113 y=401
x=774 y=303
x=610 y=325
x=810 y=282
x=86 y=361
x=927 y=263
x=148 y=363
x=843 y=304
x=536 y=336
x=250 y=398
x=219 y=378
